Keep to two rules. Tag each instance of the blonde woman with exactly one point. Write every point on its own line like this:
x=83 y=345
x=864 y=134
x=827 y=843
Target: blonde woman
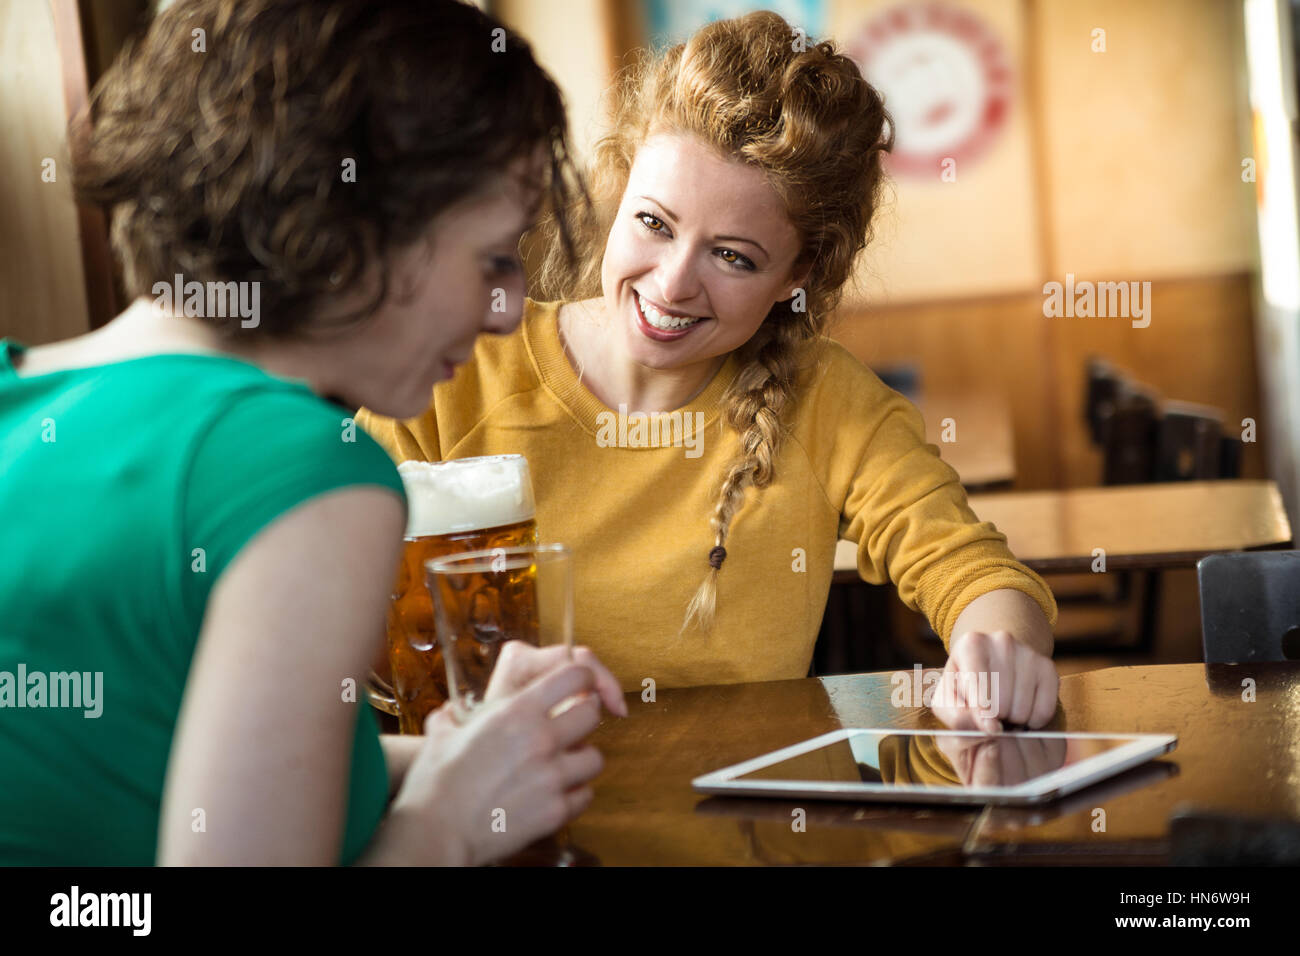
x=692 y=432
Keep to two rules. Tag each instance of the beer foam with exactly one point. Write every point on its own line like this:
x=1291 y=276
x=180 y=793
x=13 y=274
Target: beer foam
x=444 y=497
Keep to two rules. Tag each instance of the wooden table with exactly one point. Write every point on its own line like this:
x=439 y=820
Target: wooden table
x=983 y=447
x=1232 y=756
x=1139 y=526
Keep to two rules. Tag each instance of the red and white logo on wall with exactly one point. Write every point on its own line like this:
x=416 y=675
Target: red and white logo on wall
x=946 y=80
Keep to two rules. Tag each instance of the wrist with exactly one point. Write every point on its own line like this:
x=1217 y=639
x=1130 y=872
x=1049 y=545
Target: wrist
x=408 y=836
x=1036 y=641
x=399 y=753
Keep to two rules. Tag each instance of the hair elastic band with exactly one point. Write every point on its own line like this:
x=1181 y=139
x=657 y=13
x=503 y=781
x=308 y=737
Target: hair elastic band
x=716 y=557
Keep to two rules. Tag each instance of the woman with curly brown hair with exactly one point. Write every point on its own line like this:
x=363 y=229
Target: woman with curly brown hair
x=337 y=189
x=694 y=435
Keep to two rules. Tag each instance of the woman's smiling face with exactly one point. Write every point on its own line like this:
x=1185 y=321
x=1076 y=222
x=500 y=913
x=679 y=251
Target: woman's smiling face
x=700 y=250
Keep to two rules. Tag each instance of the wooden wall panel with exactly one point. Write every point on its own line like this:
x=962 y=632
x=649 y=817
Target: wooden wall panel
x=1199 y=348
x=572 y=41
x=42 y=283
x=1142 y=141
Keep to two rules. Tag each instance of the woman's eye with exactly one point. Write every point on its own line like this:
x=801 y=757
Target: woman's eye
x=733 y=258
x=653 y=223
x=505 y=265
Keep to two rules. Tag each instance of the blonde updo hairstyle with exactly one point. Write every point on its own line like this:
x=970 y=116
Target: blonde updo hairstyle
x=759 y=92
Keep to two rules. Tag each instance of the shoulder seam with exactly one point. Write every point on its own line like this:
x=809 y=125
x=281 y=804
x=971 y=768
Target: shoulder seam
x=186 y=469
x=271 y=386
x=825 y=350
x=813 y=471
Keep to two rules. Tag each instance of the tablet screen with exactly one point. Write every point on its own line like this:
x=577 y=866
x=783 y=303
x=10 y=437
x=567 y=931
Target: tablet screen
x=936 y=760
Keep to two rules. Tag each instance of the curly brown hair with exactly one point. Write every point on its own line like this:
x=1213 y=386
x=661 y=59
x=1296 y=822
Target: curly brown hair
x=804 y=115
x=227 y=163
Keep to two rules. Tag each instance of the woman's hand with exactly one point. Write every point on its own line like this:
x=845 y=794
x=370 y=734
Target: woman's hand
x=511 y=774
x=990 y=678
x=520 y=663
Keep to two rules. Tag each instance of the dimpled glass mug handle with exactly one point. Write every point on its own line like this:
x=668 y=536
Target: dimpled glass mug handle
x=380 y=694
x=380 y=691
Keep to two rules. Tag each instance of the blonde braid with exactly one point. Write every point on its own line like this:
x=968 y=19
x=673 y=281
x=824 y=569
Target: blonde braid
x=753 y=405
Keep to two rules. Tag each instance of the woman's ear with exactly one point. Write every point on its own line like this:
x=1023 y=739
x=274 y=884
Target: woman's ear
x=797 y=282
x=798 y=276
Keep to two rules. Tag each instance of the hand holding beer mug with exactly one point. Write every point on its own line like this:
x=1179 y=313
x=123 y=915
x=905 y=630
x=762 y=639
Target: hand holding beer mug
x=457 y=506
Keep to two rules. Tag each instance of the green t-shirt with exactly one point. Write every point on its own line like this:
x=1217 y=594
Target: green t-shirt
x=125 y=490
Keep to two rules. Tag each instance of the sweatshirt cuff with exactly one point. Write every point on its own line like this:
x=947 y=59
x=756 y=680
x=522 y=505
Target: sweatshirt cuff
x=951 y=585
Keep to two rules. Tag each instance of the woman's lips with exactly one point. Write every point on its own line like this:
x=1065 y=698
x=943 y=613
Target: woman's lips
x=659 y=335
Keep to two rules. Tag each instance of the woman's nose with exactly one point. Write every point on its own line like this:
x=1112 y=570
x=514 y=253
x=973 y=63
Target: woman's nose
x=677 y=280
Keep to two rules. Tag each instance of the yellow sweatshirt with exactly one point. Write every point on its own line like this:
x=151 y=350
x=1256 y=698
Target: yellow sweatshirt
x=635 y=507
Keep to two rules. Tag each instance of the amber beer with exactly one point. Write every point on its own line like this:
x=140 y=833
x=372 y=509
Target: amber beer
x=468 y=504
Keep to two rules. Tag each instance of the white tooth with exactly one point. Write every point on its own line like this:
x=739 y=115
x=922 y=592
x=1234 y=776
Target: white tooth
x=661 y=321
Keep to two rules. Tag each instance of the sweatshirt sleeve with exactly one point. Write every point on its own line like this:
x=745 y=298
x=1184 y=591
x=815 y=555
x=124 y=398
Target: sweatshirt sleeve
x=906 y=510
x=415 y=438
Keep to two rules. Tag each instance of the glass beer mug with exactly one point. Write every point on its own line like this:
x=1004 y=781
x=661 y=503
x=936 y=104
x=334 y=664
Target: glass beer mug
x=463 y=505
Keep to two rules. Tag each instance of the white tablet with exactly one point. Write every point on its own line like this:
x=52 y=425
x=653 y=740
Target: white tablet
x=950 y=766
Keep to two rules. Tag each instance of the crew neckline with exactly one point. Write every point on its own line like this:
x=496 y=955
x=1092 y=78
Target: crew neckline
x=542 y=338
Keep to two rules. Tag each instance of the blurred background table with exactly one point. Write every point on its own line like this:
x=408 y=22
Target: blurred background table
x=1139 y=526
x=982 y=449
x=1233 y=757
